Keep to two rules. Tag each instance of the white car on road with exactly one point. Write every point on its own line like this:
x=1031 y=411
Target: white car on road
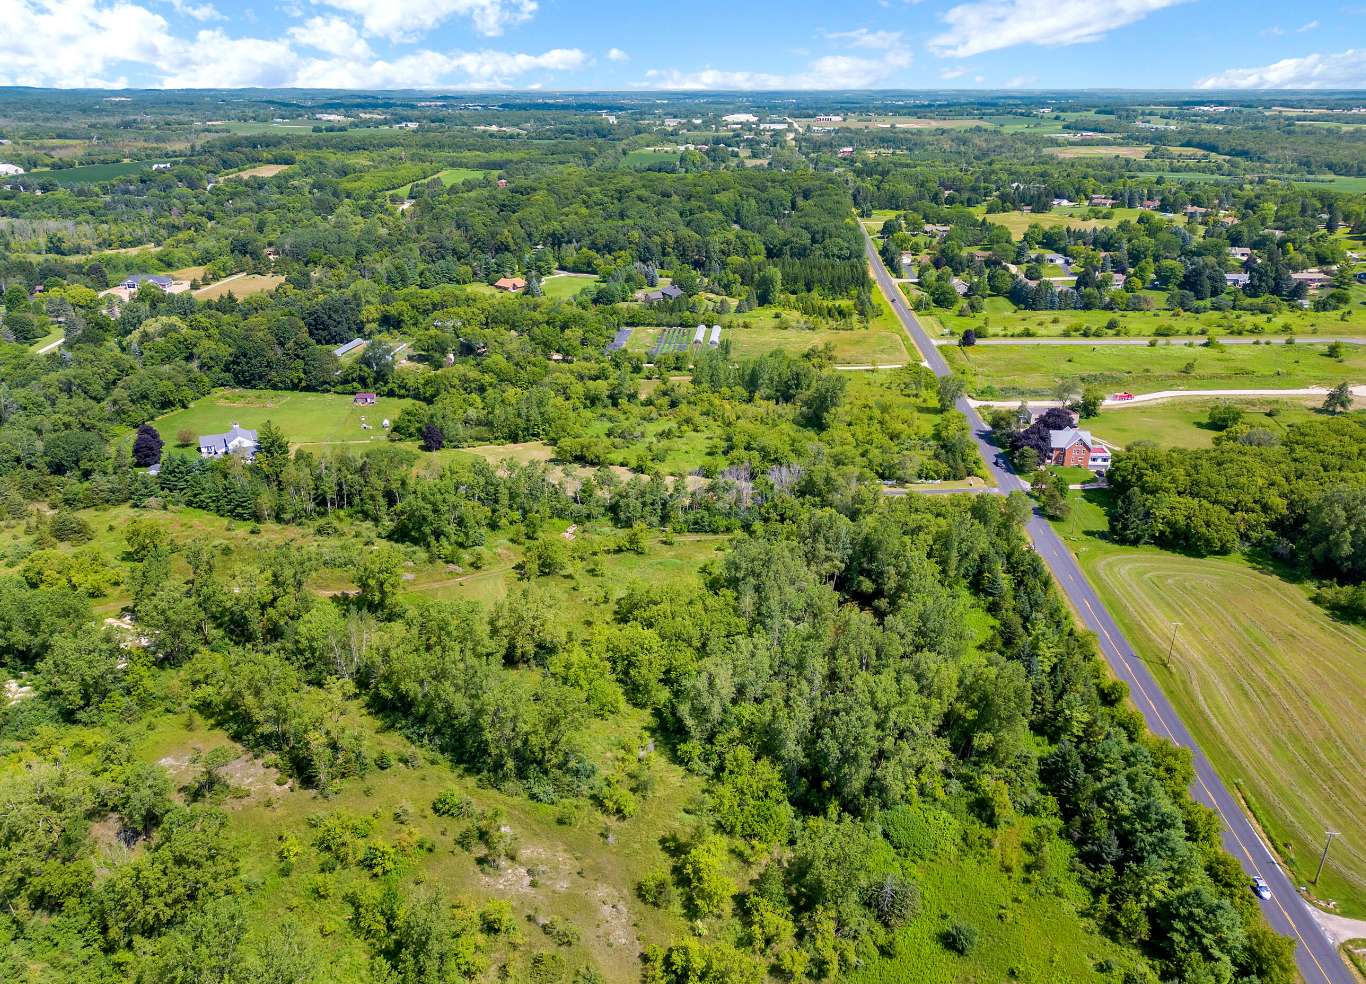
x=1260 y=886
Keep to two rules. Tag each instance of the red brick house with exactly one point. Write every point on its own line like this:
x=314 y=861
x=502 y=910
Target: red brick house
x=1073 y=448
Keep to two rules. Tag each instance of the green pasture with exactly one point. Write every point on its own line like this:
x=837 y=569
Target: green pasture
x=1001 y=319
x=855 y=348
x=1351 y=185
x=450 y=176
x=250 y=128
x=306 y=418
x=1035 y=370
x=644 y=158
x=1269 y=684
x=565 y=286
x=94 y=173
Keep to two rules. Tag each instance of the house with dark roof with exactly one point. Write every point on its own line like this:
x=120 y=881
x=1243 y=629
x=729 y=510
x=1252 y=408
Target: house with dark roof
x=237 y=440
x=136 y=280
x=1074 y=448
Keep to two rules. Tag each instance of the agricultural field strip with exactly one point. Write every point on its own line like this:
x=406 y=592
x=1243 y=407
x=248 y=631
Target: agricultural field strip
x=1177 y=340
x=1254 y=688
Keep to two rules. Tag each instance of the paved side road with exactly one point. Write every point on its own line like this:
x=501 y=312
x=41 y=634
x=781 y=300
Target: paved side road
x=1285 y=911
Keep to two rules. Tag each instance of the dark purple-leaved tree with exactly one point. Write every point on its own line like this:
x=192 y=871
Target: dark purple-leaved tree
x=147 y=447
x=432 y=438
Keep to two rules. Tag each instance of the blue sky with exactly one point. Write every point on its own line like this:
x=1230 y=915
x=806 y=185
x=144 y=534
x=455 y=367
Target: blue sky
x=703 y=44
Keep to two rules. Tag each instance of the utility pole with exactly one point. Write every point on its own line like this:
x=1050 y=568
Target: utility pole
x=1171 y=645
x=1331 y=834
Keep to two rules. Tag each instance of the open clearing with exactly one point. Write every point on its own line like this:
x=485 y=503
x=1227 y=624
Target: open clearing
x=1106 y=151
x=264 y=171
x=863 y=347
x=306 y=418
x=1270 y=685
x=1185 y=423
x=251 y=283
x=450 y=176
x=1035 y=370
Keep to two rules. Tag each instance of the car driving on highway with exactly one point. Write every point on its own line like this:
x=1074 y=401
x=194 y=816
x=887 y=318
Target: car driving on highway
x=1260 y=886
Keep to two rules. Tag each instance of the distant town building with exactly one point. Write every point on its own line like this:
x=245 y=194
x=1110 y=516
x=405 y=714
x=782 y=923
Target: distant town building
x=6 y=168
x=740 y=118
x=829 y=119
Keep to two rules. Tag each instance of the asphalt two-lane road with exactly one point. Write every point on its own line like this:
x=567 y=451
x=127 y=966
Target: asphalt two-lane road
x=1285 y=911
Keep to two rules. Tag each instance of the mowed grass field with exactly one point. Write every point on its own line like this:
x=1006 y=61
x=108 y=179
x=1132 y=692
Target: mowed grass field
x=1035 y=370
x=1273 y=689
x=306 y=418
x=1184 y=423
x=1001 y=320
x=252 y=283
x=855 y=348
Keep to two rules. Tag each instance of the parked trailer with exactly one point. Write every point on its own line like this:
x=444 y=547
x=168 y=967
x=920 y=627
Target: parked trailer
x=715 y=339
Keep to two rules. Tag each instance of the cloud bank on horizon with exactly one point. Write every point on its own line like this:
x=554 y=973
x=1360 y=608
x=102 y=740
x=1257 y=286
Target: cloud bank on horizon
x=603 y=44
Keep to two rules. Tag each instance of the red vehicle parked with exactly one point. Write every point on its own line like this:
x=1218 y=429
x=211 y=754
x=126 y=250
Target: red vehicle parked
x=1123 y=396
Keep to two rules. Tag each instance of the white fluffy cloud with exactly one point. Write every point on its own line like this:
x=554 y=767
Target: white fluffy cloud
x=98 y=40
x=988 y=25
x=864 y=38
x=617 y=55
x=332 y=35
x=404 y=20
x=829 y=72
x=1344 y=70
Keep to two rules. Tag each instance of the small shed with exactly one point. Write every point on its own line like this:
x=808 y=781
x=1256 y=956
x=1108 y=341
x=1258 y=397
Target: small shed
x=364 y=400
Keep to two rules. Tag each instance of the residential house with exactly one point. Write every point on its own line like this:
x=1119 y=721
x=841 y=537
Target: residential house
x=138 y=279
x=959 y=286
x=238 y=440
x=1237 y=280
x=1073 y=448
x=364 y=400
x=1240 y=253
x=670 y=293
x=937 y=230
x=510 y=284
x=1313 y=278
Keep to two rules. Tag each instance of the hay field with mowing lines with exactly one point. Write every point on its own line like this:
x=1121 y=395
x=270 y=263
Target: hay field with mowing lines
x=1271 y=687
x=1034 y=370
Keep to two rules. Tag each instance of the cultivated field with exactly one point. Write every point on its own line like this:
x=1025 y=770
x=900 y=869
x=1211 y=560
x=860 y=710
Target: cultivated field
x=450 y=176
x=91 y=173
x=1271 y=687
x=1001 y=320
x=306 y=418
x=264 y=171
x=1035 y=370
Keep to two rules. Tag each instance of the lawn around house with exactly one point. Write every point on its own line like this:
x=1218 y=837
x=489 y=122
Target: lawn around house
x=1269 y=684
x=305 y=418
x=1010 y=371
